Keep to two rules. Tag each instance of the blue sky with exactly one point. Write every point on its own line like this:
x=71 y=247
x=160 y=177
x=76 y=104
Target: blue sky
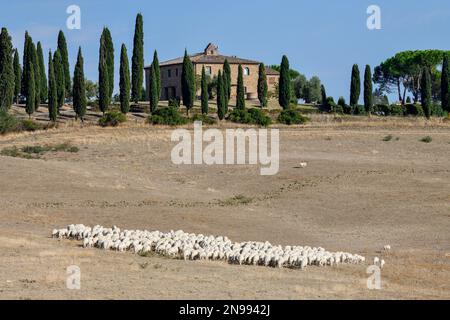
x=320 y=37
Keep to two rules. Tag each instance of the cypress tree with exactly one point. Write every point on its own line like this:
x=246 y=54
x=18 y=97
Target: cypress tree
x=323 y=94
x=26 y=47
x=52 y=91
x=284 y=85
x=62 y=48
x=445 y=84
x=426 y=91
x=188 y=83
x=37 y=75
x=59 y=77
x=124 y=81
x=220 y=96
x=17 y=76
x=30 y=89
x=262 y=86
x=368 y=90
x=103 y=78
x=240 y=94
x=6 y=70
x=227 y=81
x=43 y=78
x=153 y=94
x=137 y=64
x=205 y=94
x=157 y=73
x=355 y=86
x=79 y=88
x=109 y=60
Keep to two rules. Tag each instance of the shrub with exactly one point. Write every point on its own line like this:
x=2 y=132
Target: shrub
x=251 y=116
x=388 y=138
x=8 y=123
x=167 y=116
x=291 y=116
x=414 y=110
x=436 y=110
x=30 y=125
x=174 y=102
x=112 y=119
x=205 y=119
x=426 y=139
x=359 y=110
x=259 y=118
x=35 y=152
x=396 y=110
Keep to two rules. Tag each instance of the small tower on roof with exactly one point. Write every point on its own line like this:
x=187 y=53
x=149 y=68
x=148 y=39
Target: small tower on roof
x=211 y=50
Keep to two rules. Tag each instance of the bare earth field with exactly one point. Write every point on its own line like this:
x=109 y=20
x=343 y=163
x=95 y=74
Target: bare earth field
x=357 y=194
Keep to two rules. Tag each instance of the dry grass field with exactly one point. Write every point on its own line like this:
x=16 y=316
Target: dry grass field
x=357 y=194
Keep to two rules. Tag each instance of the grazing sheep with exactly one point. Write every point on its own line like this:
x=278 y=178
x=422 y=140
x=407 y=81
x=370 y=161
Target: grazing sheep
x=188 y=246
x=387 y=248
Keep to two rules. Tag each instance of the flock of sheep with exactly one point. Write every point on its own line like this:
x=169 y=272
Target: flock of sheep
x=189 y=246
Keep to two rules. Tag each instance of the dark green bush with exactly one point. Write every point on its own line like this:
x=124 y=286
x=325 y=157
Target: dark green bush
x=205 y=119
x=251 y=116
x=30 y=125
x=436 y=110
x=167 y=116
x=112 y=119
x=359 y=110
x=414 y=110
x=8 y=123
x=174 y=102
x=396 y=110
x=291 y=116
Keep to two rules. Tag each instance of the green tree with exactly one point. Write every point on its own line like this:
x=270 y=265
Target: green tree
x=188 y=82
x=43 y=78
x=30 y=89
x=25 y=64
x=240 y=93
x=52 y=91
x=153 y=93
x=17 y=76
x=312 y=91
x=79 y=88
x=157 y=73
x=91 y=89
x=368 y=90
x=300 y=83
x=227 y=81
x=103 y=78
x=220 y=96
x=355 y=86
x=323 y=94
x=137 y=64
x=284 y=85
x=426 y=91
x=205 y=95
x=59 y=77
x=109 y=51
x=62 y=48
x=262 y=86
x=445 y=84
x=6 y=70
x=37 y=76
x=124 y=80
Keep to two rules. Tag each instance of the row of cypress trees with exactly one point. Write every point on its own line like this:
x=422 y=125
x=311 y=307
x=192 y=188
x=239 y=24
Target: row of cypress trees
x=425 y=87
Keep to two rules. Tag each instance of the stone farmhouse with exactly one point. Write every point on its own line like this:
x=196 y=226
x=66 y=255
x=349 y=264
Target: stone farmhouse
x=213 y=61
